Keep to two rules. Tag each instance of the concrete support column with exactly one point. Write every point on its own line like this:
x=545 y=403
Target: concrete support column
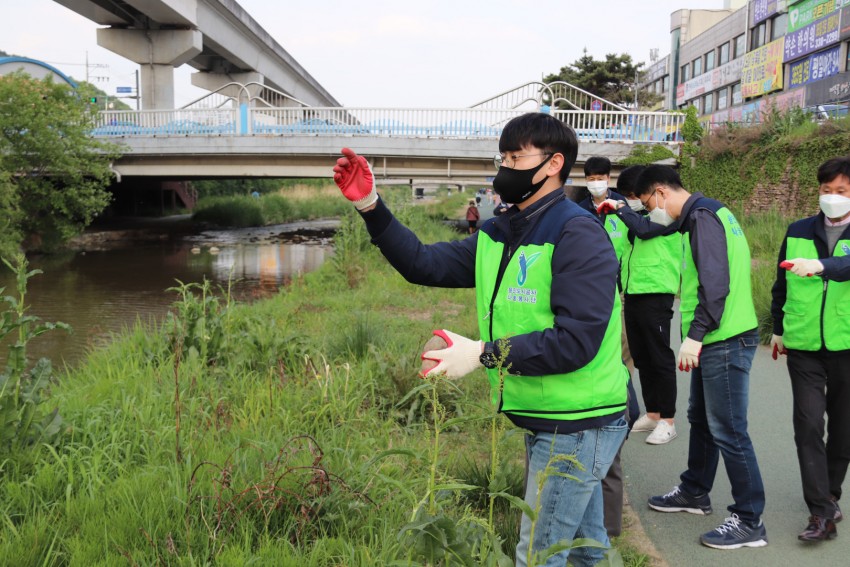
x=157 y=52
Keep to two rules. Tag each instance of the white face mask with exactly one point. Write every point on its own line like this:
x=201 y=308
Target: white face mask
x=834 y=206
x=635 y=205
x=659 y=215
x=597 y=188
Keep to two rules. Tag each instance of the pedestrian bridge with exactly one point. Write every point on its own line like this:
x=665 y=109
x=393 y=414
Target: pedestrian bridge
x=252 y=130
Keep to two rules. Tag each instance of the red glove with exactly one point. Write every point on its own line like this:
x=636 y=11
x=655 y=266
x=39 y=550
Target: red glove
x=606 y=207
x=778 y=346
x=354 y=178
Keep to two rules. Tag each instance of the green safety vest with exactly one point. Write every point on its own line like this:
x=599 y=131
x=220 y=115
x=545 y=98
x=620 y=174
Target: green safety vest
x=521 y=305
x=618 y=232
x=652 y=266
x=817 y=311
x=739 y=315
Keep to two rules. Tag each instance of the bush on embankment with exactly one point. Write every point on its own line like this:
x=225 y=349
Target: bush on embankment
x=287 y=205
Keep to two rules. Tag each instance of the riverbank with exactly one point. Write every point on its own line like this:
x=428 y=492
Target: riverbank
x=291 y=431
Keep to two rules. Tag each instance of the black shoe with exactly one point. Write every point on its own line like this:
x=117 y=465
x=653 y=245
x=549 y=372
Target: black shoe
x=819 y=529
x=678 y=500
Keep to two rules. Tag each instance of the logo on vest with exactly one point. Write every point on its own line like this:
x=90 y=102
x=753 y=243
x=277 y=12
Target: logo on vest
x=845 y=249
x=520 y=294
x=734 y=227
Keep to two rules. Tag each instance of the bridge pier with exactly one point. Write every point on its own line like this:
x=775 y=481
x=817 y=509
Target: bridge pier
x=157 y=52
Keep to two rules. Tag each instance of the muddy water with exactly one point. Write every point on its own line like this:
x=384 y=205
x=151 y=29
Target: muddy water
x=100 y=292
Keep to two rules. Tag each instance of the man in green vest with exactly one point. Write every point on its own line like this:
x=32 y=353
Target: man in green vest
x=811 y=322
x=719 y=339
x=597 y=177
x=649 y=276
x=545 y=277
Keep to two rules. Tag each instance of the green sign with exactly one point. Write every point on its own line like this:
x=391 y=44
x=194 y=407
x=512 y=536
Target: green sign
x=803 y=13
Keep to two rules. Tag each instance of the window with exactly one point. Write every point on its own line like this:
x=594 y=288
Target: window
x=778 y=26
x=709 y=61
x=722 y=98
x=685 y=73
x=696 y=67
x=708 y=103
x=758 y=36
x=740 y=46
x=724 y=54
x=665 y=86
x=736 y=94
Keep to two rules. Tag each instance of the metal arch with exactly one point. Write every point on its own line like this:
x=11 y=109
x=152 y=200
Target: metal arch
x=243 y=95
x=538 y=92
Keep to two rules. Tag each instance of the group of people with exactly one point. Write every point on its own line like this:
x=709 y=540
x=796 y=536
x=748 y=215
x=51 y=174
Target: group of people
x=548 y=276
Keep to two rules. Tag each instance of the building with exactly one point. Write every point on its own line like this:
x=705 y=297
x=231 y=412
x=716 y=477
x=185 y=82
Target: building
x=736 y=63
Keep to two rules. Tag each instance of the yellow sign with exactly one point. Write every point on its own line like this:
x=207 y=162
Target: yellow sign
x=762 y=70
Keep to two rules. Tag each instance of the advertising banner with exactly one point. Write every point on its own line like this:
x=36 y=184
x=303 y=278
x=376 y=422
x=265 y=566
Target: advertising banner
x=804 y=13
x=832 y=89
x=845 y=23
x=761 y=10
x=714 y=79
x=762 y=69
x=815 y=67
x=813 y=37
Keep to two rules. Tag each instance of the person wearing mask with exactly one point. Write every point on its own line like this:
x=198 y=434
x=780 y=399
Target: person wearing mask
x=649 y=273
x=549 y=320
x=597 y=177
x=719 y=340
x=811 y=324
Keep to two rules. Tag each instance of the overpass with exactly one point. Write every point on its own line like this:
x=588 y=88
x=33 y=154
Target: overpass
x=244 y=135
x=216 y=37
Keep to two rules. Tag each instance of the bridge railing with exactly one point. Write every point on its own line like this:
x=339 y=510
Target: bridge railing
x=462 y=123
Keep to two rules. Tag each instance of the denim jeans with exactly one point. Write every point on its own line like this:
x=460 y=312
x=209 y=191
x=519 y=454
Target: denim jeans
x=570 y=508
x=717 y=412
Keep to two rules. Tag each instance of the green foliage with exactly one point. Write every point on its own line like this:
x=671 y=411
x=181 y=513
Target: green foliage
x=612 y=79
x=59 y=174
x=647 y=154
x=270 y=208
x=692 y=133
x=10 y=233
x=23 y=390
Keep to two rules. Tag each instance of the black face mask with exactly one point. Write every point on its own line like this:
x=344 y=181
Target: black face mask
x=515 y=186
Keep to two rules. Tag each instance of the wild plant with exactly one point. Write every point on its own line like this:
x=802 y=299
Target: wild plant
x=197 y=327
x=23 y=390
x=291 y=499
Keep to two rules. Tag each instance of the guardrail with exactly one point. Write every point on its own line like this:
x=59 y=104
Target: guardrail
x=463 y=123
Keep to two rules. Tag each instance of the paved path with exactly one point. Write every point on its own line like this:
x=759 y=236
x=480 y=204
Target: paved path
x=653 y=470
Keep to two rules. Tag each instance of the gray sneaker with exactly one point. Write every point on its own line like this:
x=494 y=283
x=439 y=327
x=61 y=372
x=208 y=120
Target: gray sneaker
x=734 y=533
x=677 y=500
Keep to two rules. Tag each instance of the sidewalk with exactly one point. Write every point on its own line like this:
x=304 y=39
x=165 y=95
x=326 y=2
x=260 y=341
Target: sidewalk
x=651 y=470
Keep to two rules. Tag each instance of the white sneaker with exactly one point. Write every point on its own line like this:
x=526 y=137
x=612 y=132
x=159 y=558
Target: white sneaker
x=645 y=423
x=663 y=433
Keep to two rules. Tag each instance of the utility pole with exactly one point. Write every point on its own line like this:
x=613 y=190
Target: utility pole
x=138 y=93
x=636 y=88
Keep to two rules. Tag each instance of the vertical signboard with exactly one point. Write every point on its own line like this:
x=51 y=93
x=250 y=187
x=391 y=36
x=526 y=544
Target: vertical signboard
x=762 y=69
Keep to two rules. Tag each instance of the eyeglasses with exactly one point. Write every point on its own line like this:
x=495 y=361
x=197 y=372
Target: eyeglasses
x=510 y=161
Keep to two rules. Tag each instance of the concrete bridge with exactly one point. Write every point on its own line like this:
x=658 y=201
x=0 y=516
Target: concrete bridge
x=216 y=37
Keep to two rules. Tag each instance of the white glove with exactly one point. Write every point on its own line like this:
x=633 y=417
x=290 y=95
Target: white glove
x=804 y=267
x=461 y=357
x=778 y=346
x=689 y=354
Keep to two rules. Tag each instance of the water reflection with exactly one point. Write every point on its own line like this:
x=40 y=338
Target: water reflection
x=99 y=293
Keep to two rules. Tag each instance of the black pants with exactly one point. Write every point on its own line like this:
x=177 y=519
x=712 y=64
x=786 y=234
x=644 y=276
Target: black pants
x=647 y=318
x=820 y=382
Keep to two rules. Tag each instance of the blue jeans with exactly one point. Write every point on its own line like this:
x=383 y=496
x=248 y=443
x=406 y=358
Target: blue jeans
x=717 y=412
x=570 y=508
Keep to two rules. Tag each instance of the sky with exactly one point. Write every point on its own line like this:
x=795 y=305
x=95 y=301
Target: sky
x=385 y=53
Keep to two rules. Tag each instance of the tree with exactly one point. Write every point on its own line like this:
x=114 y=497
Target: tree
x=55 y=174
x=612 y=79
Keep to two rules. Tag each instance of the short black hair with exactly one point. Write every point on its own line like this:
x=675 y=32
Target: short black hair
x=654 y=175
x=542 y=131
x=597 y=166
x=832 y=168
x=627 y=178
